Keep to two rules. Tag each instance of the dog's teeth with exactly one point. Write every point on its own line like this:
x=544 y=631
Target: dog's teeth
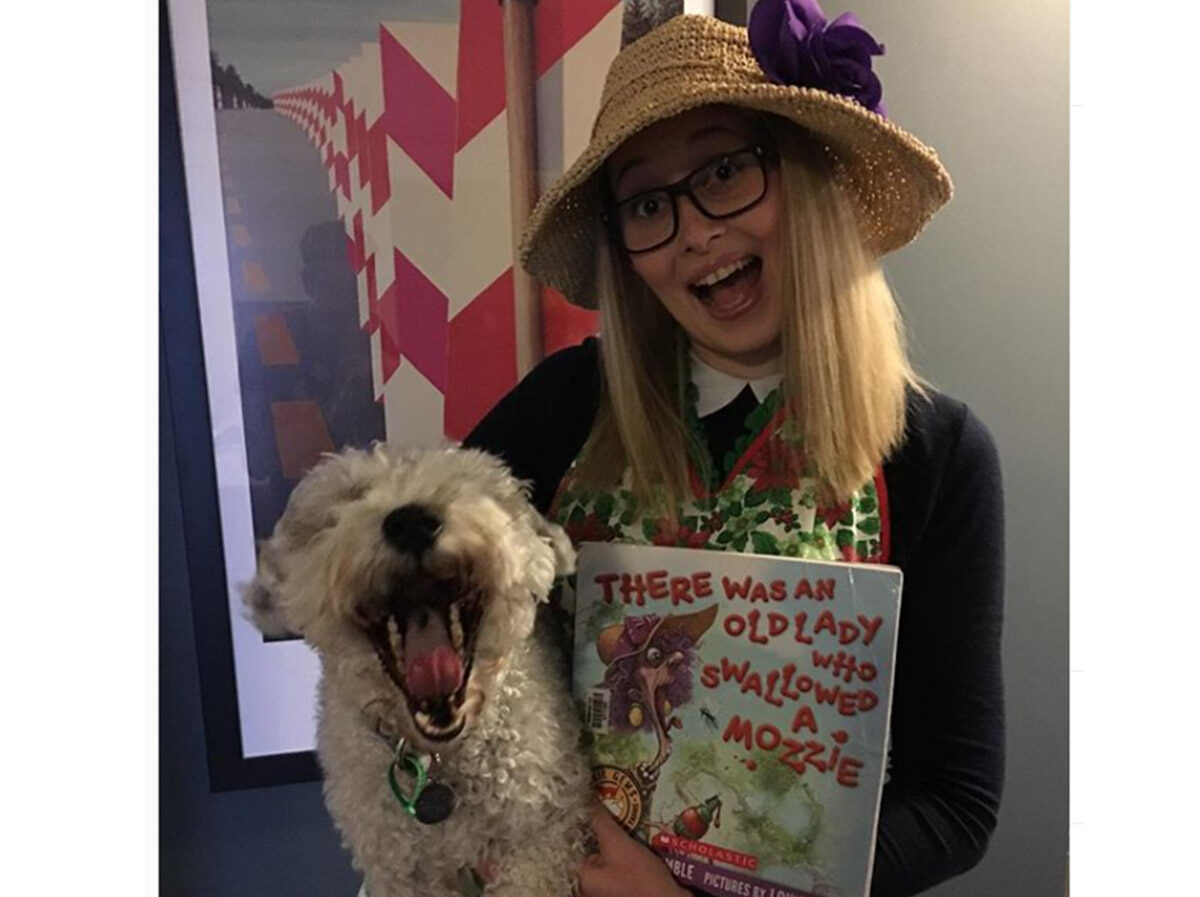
x=394 y=638
x=456 y=629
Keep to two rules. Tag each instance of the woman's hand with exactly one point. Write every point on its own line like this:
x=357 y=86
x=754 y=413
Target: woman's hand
x=623 y=867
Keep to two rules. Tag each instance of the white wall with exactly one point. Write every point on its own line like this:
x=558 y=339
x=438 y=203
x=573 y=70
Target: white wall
x=985 y=292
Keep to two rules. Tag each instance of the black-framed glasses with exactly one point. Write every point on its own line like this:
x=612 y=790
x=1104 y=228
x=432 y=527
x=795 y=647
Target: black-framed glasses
x=723 y=188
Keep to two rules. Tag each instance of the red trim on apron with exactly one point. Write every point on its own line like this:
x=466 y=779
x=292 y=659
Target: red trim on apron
x=698 y=488
x=552 y=511
x=885 y=517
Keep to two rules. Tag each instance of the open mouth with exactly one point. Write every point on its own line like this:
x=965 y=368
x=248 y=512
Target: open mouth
x=426 y=645
x=731 y=289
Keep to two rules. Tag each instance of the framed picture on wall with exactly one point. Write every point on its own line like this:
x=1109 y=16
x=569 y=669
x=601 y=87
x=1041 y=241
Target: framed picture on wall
x=350 y=193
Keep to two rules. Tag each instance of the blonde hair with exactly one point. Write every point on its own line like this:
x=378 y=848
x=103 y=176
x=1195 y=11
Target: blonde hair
x=845 y=368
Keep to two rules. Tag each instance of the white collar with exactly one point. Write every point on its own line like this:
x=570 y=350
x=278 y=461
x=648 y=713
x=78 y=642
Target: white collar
x=717 y=389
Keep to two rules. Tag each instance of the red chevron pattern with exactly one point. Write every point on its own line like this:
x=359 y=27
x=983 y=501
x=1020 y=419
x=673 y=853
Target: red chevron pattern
x=418 y=113
x=559 y=26
x=415 y=144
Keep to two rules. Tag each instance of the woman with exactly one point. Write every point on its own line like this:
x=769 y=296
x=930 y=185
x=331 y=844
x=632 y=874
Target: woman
x=727 y=219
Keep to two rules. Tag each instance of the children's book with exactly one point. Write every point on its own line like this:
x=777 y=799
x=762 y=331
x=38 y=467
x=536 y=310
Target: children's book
x=737 y=707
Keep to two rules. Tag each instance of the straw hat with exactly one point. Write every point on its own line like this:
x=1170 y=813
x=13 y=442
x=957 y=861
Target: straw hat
x=894 y=182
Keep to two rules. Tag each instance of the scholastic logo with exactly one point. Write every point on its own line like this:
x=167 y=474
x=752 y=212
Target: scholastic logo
x=712 y=852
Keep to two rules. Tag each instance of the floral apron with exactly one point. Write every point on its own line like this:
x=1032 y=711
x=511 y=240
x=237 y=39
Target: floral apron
x=755 y=508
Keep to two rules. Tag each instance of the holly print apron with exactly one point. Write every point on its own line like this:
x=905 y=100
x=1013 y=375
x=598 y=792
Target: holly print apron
x=756 y=507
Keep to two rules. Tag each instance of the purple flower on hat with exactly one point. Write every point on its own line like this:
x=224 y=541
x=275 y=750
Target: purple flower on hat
x=794 y=44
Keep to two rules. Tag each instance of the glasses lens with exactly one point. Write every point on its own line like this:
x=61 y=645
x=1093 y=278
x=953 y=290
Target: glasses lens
x=729 y=185
x=646 y=220
x=720 y=189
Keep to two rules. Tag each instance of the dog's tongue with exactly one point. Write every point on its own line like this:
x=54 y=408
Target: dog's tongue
x=432 y=666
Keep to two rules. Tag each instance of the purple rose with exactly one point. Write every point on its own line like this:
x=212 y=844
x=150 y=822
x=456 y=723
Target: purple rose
x=795 y=45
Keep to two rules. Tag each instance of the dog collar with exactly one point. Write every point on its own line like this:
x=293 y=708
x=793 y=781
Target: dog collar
x=428 y=801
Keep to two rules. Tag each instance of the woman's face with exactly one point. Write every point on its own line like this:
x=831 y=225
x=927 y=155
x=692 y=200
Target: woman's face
x=713 y=276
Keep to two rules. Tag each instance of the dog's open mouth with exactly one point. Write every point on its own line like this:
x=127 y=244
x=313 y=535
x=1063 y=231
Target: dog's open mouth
x=426 y=645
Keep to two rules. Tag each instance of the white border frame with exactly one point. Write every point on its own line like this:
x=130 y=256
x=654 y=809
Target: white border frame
x=275 y=681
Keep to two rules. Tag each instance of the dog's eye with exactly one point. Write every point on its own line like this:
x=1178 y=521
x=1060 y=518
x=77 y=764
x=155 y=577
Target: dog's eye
x=370 y=612
x=653 y=655
x=365 y=617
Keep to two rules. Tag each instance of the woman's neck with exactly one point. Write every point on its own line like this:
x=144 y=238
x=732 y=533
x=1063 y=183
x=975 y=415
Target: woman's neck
x=753 y=366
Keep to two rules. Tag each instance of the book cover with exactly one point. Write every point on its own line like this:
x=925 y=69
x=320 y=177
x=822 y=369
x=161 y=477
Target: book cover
x=737 y=707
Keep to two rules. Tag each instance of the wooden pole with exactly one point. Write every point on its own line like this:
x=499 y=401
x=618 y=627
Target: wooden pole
x=520 y=88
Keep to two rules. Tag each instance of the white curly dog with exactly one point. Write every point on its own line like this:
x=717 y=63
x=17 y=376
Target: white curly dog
x=448 y=740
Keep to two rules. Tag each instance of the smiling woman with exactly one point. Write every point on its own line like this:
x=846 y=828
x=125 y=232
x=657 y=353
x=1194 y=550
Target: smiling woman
x=707 y=262
x=719 y=282
x=752 y=391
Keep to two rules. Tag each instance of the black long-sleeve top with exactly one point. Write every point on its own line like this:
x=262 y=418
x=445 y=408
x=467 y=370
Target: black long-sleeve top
x=947 y=535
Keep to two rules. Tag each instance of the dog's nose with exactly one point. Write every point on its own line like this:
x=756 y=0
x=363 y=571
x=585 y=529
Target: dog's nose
x=411 y=528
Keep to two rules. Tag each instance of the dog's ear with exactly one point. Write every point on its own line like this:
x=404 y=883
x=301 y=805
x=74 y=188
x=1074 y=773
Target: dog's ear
x=560 y=542
x=553 y=558
x=312 y=508
x=262 y=595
